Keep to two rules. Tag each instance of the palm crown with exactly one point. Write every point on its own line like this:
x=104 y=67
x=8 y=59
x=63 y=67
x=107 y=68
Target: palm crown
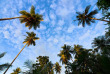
x=65 y=54
x=57 y=68
x=30 y=39
x=16 y=71
x=87 y=17
x=31 y=19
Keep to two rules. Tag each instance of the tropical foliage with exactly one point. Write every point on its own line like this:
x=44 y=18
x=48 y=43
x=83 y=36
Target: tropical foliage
x=65 y=54
x=57 y=68
x=31 y=19
x=3 y=66
x=17 y=71
x=77 y=59
x=87 y=17
x=103 y=4
x=30 y=39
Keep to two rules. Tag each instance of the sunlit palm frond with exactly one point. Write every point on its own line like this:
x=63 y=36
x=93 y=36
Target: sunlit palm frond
x=30 y=39
x=31 y=19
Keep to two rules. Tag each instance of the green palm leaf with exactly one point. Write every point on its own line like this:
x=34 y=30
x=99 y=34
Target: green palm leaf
x=32 y=11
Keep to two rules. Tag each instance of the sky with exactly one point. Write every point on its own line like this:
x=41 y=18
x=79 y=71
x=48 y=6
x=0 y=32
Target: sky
x=57 y=29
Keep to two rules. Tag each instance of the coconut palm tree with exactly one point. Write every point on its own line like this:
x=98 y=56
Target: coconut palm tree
x=57 y=67
x=67 y=51
x=101 y=44
x=49 y=67
x=16 y=71
x=43 y=60
x=87 y=17
x=30 y=19
x=63 y=58
x=30 y=40
x=3 y=66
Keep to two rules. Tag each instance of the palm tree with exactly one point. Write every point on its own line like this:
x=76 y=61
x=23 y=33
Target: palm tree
x=67 y=51
x=86 y=17
x=101 y=44
x=43 y=66
x=30 y=19
x=30 y=39
x=16 y=71
x=57 y=68
x=3 y=66
x=43 y=60
x=29 y=65
x=63 y=58
x=49 y=67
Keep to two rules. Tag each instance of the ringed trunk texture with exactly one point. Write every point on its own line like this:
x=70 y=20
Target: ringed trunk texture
x=14 y=59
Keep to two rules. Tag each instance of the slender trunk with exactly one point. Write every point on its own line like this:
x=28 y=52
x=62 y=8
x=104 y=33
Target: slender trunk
x=72 y=60
x=99 y=19
x=14 y=59
x=2 y=19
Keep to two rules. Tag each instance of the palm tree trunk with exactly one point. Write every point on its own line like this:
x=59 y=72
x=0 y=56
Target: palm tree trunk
x=72 y=60
x=14 y=59
x=99 y=19
x=2 y=19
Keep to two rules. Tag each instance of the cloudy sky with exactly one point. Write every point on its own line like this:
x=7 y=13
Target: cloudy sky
x=56 y=30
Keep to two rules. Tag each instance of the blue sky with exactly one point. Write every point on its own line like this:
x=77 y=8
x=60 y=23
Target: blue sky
x=56 y=30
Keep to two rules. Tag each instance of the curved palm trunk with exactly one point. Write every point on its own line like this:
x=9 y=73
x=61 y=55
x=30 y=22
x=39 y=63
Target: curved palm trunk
x=99 y=19
x=2 y=19
x=14 y=59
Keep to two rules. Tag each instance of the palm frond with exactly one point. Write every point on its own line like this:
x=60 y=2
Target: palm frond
x=24 y=13
x=83 y=23
x=79 y=13
x=32 y=11
x=92 y=13
x=2 y=54
x=30 y=26
x=3 y=66
x=88 y=22
x=28 y=64
x=87 y=9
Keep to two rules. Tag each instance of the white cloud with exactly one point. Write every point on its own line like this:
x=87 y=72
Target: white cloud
x=85 y=35
x=71 y=28
x=6 y=34
x=53 y=6
x=42 y=11
x=46 y=18
x=52 y=16
x=61 y=22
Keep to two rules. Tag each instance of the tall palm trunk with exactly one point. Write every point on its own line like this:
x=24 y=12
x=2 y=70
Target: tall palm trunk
x=2 y=19
x=99 y=19
x=14 y=59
